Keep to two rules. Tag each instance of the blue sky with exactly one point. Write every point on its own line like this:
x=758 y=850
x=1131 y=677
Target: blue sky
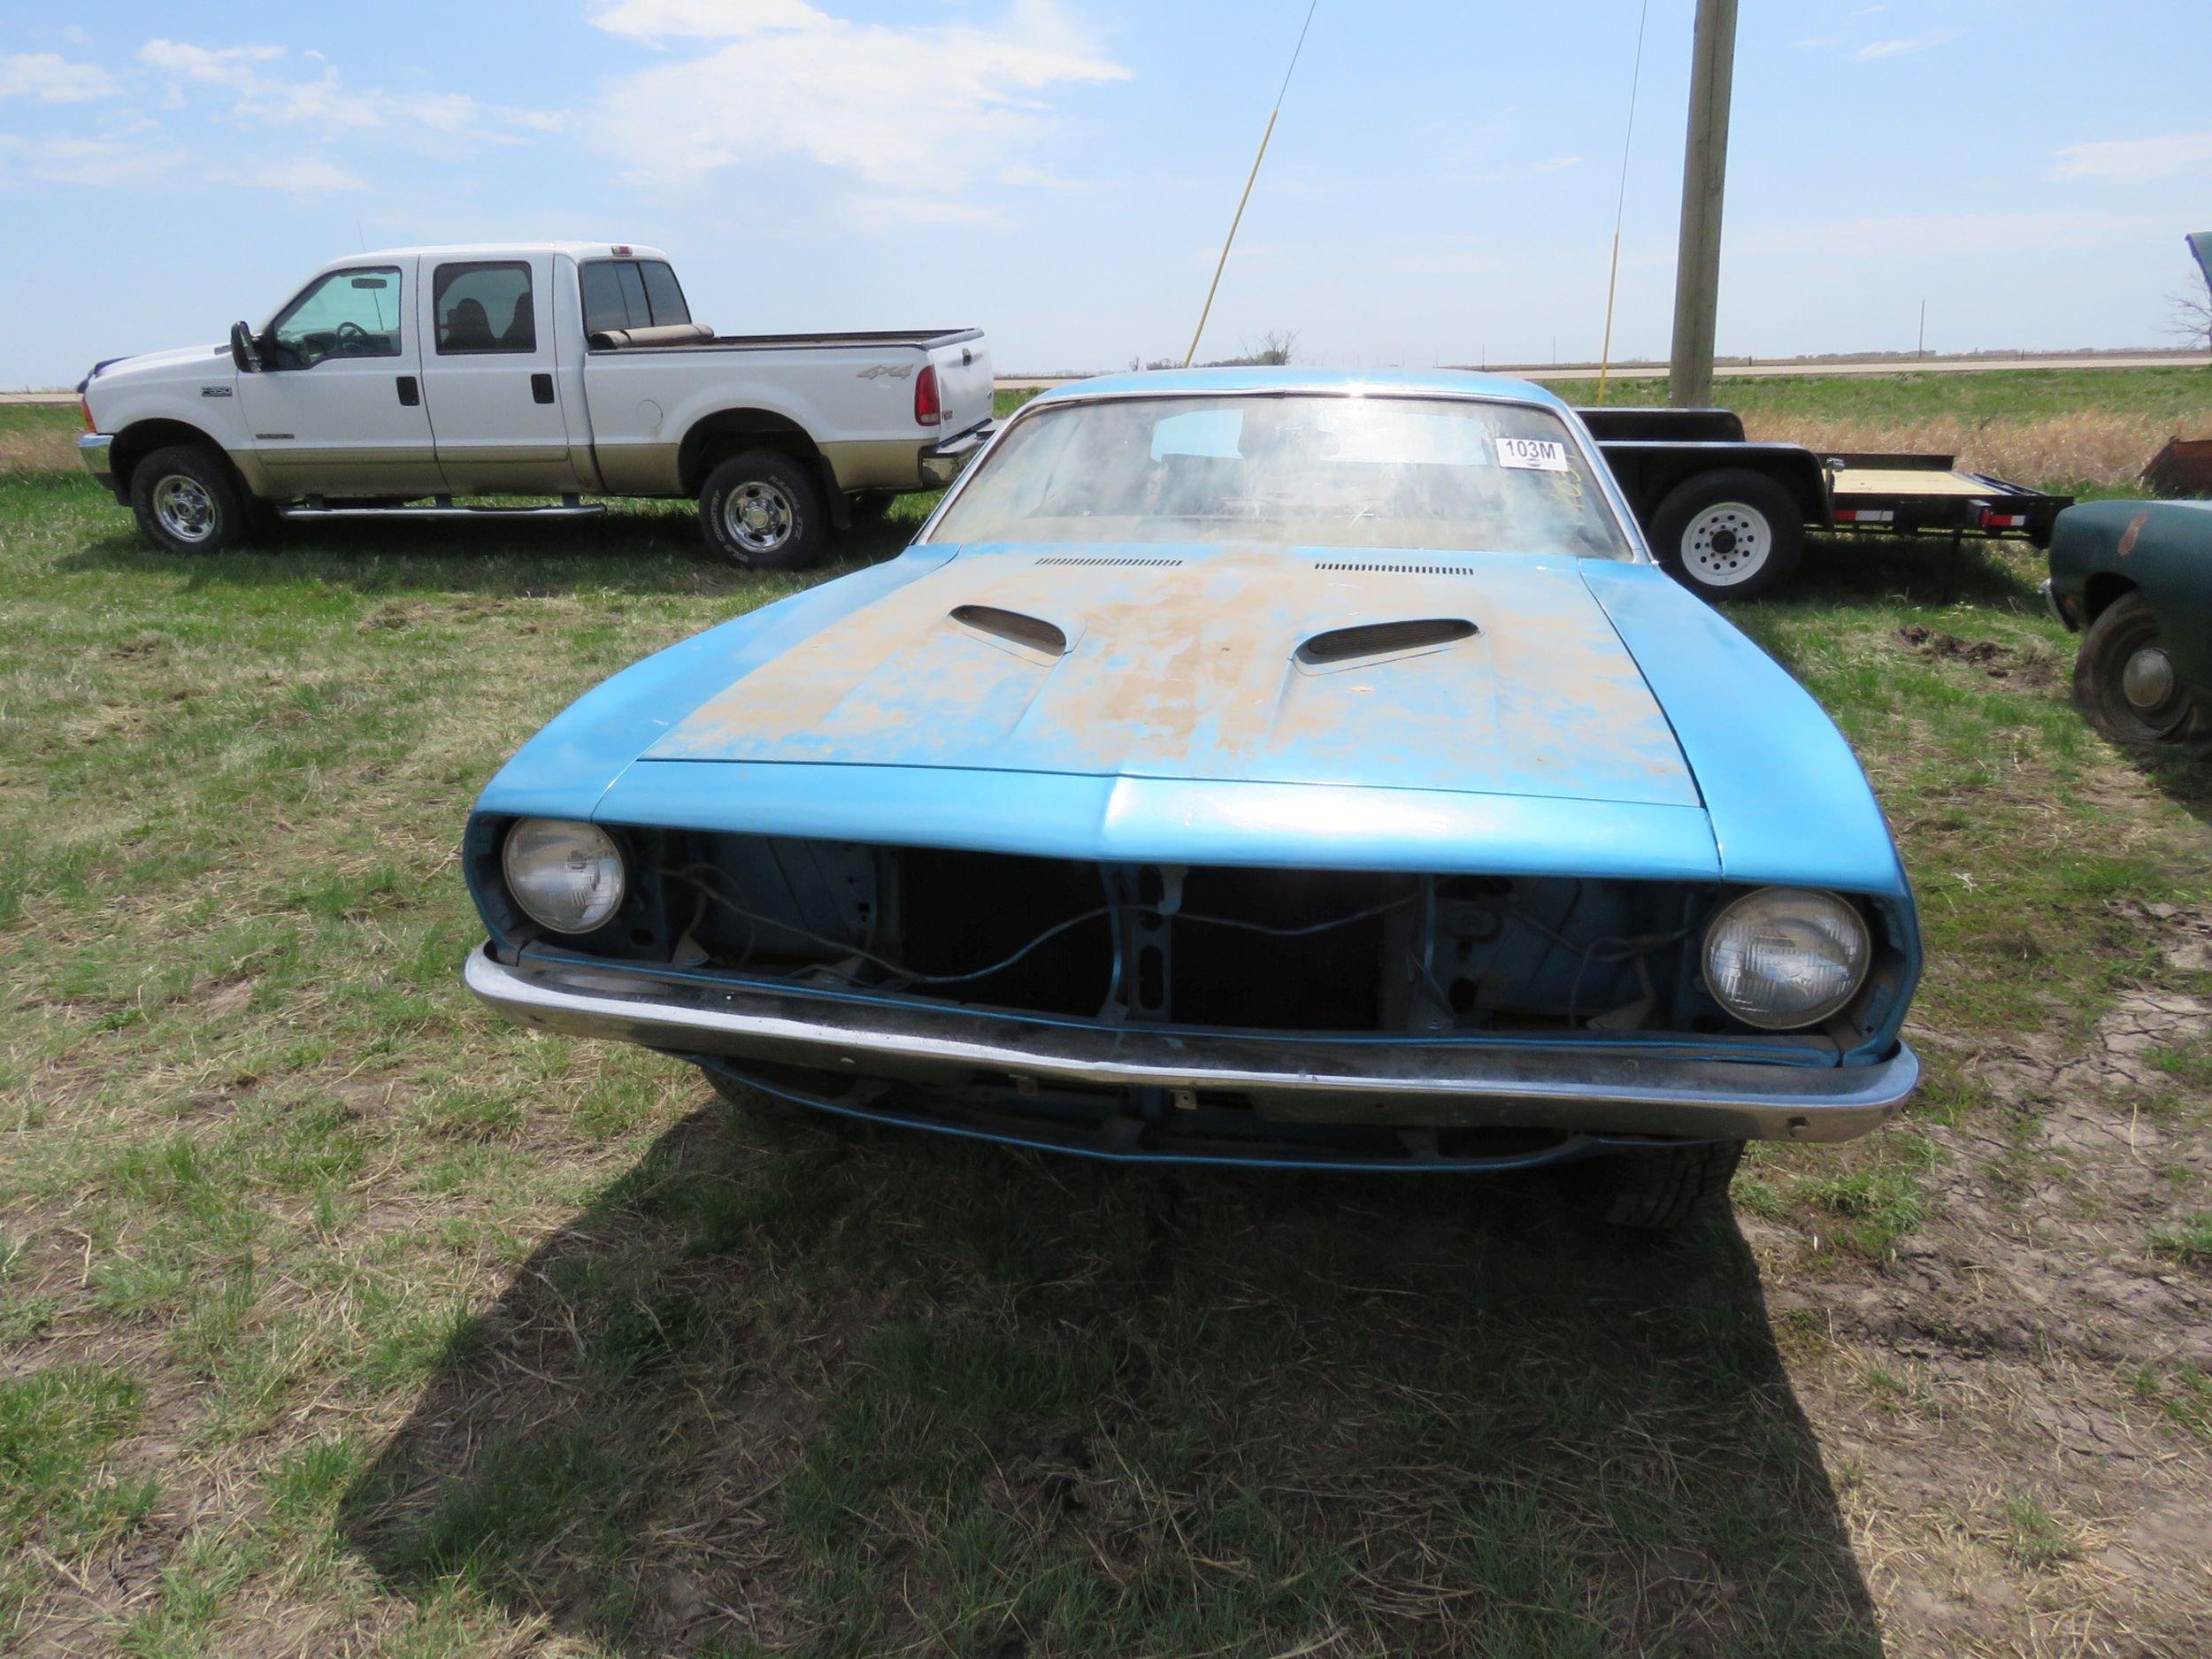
x=1440 y=187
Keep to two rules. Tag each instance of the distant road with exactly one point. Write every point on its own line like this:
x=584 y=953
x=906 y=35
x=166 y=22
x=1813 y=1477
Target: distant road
x=1741 y=370
x=1648 y=371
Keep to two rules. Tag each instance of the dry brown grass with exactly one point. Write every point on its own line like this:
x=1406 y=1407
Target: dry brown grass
x=49 y=447
x=2093 y=449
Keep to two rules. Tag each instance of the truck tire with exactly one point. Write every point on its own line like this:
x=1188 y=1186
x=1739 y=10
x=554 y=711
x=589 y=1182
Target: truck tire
x=2125 y=684
x=762 y=511
x=1728 y=534
x=1662 y=1190
x=187 y=500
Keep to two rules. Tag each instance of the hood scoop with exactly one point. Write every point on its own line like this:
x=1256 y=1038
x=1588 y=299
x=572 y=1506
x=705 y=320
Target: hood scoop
x=1369 y=642
x=1026 y=633
x=1371 y=568
x=1119 y=560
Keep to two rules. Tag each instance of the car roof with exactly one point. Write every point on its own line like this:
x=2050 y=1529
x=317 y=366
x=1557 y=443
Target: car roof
x=1230 y=382
x=508 y=249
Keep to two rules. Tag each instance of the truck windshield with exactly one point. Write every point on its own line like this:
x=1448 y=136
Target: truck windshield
x=1311 y=470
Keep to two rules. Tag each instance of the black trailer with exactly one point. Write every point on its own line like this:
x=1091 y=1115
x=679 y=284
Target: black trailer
x=1728 y=515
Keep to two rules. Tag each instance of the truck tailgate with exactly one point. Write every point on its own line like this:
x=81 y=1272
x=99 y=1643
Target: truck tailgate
x=964 y=384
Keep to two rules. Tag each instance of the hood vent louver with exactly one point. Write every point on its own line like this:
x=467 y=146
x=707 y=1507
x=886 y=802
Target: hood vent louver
x=1396 y=570
x=1031 y=633
x=1103 y=558
x=1369 y=640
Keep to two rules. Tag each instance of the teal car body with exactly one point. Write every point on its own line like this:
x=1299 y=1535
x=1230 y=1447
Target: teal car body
x=2135 y=578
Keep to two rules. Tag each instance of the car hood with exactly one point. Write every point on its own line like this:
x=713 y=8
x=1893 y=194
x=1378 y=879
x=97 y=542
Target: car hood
x=1468 y=673
x=182 y=362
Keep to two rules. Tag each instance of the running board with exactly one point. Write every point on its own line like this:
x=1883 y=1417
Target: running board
x=568 y=508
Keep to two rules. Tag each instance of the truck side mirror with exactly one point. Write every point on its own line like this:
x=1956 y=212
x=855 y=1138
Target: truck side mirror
x=245 y=351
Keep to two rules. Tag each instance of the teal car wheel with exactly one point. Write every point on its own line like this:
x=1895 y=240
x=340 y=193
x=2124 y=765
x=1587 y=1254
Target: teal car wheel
x=2126 y=681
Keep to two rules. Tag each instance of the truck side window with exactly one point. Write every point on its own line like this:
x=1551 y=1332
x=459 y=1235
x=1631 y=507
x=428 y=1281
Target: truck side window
x=352 y=313
x=484 y=305
x=662 y=293
x=630 y=293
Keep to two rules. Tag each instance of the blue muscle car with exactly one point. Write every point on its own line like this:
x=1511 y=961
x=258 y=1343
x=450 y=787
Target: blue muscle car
x=1253 y=766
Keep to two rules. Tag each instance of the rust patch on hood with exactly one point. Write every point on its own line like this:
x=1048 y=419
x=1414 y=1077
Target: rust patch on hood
x=1190 y=671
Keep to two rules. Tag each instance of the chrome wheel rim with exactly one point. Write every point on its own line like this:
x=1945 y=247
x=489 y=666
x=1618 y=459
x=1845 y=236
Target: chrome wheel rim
x=758 y=516
x=2147 y=680
x=184 y=508
x=1727 y=543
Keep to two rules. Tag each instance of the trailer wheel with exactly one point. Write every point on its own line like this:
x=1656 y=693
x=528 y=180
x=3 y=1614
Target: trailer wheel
x=762 y=511
x=1728 y=534
x=2124 y=680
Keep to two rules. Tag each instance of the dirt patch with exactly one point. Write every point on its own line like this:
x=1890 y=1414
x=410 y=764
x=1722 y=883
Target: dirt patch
x=2030 y=665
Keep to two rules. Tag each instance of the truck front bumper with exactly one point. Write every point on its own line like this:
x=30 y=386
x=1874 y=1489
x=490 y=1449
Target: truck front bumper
x=944 y=463
x=93 y=448
x=1664 y=1087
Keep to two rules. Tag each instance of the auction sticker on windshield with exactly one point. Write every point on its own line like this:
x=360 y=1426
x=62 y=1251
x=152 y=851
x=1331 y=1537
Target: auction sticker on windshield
x=1536 y=455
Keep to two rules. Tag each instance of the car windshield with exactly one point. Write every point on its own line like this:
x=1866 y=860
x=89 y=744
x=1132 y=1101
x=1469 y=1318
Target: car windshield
x=1290 y=471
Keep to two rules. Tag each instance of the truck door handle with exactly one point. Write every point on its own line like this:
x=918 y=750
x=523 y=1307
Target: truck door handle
x=541 y=388
x=410 y=392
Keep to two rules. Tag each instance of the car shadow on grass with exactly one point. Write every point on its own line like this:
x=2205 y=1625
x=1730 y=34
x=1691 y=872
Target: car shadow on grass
x=638 y=552
x=1915 y=571
x=838 y=1389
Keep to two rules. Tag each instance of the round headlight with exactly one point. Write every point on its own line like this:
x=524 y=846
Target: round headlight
x=566 y=876
x=1785 y=958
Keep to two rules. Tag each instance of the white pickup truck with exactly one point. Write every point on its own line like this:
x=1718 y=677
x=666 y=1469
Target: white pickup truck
x=393 y=383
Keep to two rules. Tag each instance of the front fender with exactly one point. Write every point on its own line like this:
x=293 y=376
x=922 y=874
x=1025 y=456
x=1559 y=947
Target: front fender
x=565 y=770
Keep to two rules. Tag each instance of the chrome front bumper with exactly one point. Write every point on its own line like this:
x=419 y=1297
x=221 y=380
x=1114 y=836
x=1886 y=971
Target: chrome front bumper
x=1660 y=1088
x=94 y=450
x=945 y=463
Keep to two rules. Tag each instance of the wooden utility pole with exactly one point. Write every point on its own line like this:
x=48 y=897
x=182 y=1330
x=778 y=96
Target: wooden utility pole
x=1704 y=173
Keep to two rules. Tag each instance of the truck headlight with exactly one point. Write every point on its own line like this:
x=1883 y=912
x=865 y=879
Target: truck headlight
x=1780 y=958
x=566 y=876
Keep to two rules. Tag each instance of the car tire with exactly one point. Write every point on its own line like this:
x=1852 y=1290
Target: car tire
x=187 y=500
x=1662 y=1190
x=1729 y=535
x=2125 y=684
x=761 y=511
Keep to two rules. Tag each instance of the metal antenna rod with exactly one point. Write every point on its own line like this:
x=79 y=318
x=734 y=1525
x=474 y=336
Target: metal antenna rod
x=1221 y=263
x=1620 y=203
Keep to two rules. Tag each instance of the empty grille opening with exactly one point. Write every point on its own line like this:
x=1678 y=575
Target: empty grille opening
x=1233 y=947
x=1379 y=639
x=1073 y=558
x=1034 y=632
x=1395 y=570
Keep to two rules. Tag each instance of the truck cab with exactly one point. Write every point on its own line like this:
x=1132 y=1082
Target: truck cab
x=409 y=381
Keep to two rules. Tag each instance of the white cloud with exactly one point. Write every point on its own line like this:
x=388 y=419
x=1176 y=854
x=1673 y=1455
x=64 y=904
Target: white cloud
x=2136 y=160
x=301 y=175
x=1905 y=45
x=1558 y=164
x=52 y=79
x=907 y=109
x=82 y=161
x=893 y=207
x=263 y=95
x=705 y=20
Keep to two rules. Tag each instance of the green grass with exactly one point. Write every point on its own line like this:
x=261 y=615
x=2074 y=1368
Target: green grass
x=334 y=1313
